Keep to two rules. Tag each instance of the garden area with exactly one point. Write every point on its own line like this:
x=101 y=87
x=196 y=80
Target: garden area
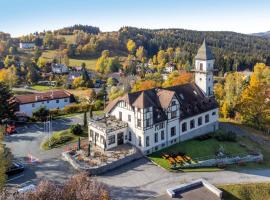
x=61 y=138
x=214 y=146
x=253 y=191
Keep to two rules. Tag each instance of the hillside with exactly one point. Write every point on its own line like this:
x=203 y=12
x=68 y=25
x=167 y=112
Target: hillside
x=263 y=34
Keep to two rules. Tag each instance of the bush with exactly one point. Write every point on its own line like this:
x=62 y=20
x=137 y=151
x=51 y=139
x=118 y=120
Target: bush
x=41 y=113
x=55 y=112
x=58 y=138
x=73 y=108
x=76 y=129
x=80 y=186
x=222 y=135
x=98 y=105
x=55 y=141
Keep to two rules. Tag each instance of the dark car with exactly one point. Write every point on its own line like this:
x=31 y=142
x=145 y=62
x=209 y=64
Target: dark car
x=15 y=168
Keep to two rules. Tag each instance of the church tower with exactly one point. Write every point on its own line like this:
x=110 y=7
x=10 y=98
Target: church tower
x=204 y=67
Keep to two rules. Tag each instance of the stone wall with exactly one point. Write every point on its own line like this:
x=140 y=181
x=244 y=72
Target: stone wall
x=104 y=168
x=226 y=161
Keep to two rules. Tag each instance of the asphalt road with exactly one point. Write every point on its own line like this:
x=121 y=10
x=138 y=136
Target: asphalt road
x=39 y=164
x=142 y=179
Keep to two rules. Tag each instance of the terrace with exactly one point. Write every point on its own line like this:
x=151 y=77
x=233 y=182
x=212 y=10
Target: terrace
x=107 y=124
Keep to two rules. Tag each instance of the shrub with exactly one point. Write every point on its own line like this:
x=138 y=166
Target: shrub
x=80 y=186
x=98 y=105
x=41 y=113
x=56 y=140
x=225 y=136
x=72 y=108
x=55 y=112
x=76 y=129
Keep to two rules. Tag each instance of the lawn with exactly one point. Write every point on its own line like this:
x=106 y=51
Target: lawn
x=43 y=87
x=253 y=191
x=61 y=138
x=89 y=62
x=197 y=150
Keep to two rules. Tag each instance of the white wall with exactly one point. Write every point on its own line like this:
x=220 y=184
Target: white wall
x=204 y=78
x=212 y=118
x=27 y=45
x=106 y=136
x=51 y=104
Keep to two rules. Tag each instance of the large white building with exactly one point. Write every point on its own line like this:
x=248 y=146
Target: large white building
x=26 y=104
x=156 y=118
x=27 y=45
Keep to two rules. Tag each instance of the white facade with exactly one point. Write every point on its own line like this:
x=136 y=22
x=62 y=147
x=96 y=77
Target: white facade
x=27 y=45
x=59 y=69
x=169 y=69
x=151 y=133
x=204 y=75
x=49 y=104
x=155 y=137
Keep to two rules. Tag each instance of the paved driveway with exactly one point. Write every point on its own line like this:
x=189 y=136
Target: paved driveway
x=142 y=179
x=46 y=164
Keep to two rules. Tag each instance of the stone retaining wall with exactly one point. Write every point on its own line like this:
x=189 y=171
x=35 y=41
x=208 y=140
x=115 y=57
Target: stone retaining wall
x=104 y=168
x=226 y=161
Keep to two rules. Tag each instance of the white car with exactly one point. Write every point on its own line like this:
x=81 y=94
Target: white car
x=28 y=188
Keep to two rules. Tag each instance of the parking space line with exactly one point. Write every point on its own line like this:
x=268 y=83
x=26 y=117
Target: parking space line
x=12 y=179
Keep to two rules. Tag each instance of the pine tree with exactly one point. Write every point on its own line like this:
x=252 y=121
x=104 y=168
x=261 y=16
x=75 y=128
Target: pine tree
x=6 y=106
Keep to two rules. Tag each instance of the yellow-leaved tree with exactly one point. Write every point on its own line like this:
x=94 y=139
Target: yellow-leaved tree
x=255 y=102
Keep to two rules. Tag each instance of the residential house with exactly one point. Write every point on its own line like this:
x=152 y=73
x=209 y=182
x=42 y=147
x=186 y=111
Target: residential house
x=159 y=117
x=59 y=68
x=27 y=45
x=51 y=100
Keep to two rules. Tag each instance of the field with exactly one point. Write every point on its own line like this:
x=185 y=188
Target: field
x=43 y=88
x=197 y=149
x=254 y=191
x=90 y=63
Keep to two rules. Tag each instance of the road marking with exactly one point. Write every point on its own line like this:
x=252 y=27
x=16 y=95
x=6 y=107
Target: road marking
x=12 y=179
x=37 y=127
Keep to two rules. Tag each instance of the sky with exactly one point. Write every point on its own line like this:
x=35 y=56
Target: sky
x=20 y=17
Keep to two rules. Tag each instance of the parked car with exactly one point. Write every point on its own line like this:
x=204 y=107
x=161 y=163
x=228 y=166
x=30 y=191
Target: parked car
x=10 y=129
x=15 y=168
x=28 y=188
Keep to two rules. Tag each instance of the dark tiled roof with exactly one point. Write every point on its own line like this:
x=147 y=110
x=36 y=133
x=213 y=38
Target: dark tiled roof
x=32 y=98
x=204 y=52
x=192 y=100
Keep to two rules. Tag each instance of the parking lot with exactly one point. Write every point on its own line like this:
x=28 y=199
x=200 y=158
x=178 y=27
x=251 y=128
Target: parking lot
x=39 y=164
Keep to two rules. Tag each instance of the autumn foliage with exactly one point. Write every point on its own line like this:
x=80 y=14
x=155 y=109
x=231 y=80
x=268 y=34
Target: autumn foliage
x=145 y=85
x=176 y=78
x=78 y=187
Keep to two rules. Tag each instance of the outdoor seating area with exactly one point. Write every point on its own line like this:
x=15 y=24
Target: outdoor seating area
x=179 y=159
x=211 y=152
x=88 y=154
x=91 y=158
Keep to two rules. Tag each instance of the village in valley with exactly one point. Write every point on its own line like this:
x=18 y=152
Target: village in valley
x=134 y=113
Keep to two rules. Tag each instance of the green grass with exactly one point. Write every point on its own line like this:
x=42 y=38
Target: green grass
x=197 y=149
x=90 y=63
x=61 y=138
x=253 y=191
x=43 y=87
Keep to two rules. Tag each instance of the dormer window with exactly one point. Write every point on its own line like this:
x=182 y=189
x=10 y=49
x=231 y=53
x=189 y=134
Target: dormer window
x=173 y=103
x=181 y=96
